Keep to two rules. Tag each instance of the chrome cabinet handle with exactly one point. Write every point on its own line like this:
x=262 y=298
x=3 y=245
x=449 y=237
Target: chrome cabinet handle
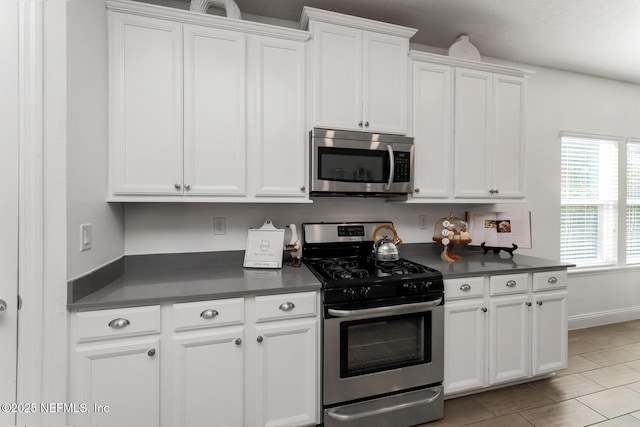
x=417 y=190
x=209 y=314
x=287 y=306
x=151 y=352
x=553 y=280
x=259 y=339
x=465 y=287
x=539 y=302
x=511 y=283
x=528 y=303
x=3 y=307
x=177 y=186
x=484 y=309
x=119 y=323
x=238 y=341
x=494 y=191
x=187 y=187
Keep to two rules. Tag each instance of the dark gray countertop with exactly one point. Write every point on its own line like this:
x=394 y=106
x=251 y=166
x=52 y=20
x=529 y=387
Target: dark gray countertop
x=154 y=279
x=166 y=278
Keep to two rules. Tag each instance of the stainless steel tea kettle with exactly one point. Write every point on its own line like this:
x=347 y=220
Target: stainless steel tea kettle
x=385 y=249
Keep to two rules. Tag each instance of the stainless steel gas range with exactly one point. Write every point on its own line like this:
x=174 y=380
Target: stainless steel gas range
x=383 y=330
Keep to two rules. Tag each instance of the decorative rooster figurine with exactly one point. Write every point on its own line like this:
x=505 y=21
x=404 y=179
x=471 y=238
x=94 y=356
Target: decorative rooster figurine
x=294 y=247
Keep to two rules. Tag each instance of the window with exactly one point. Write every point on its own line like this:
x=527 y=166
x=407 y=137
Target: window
x=600 y=200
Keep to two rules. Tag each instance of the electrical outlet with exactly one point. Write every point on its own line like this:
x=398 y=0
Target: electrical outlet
x=219 y=225
x=422 y=222
x=85 y=237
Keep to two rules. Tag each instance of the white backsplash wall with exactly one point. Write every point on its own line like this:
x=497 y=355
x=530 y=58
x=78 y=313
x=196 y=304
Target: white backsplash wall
x=173 y=227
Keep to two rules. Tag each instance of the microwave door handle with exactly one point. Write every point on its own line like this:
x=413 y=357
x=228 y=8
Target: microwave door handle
x=392 y=162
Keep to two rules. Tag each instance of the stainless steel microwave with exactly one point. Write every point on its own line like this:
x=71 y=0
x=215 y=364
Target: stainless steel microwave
x=351 y=163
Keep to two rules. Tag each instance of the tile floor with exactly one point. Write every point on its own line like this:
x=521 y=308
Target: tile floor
x=600 y=387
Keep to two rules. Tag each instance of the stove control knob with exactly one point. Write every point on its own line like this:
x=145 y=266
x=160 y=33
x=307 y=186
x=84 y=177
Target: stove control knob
x=364 y=292
x=349 y=293
x=412 y=288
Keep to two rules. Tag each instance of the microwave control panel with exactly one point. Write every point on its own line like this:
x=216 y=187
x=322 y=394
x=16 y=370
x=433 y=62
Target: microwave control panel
x=402 y=166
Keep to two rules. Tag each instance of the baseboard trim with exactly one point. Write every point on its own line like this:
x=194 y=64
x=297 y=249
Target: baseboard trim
x=603 y=318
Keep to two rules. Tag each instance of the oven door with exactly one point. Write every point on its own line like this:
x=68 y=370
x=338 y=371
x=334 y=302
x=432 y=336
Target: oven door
x=374 y=351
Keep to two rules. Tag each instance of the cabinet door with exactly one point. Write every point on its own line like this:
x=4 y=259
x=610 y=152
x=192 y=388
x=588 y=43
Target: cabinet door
x=286 y=373
x=509 y=339
x=472 y=148
x=508 y=139
x=277 y=111
x=120 y=382
x=207 y=378
x=384 y=94
x=145 y=60
x=432 y=104
x=549 y=332
x=337 y=76
x=465 y=326
x=215 y=136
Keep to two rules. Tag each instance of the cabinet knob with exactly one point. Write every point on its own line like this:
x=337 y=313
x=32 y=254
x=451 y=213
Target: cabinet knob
x=465 y=287
x=287 y=306
x=552 y=280
x=238 y=341
x=366 y=124
x=3 y=307
x=209 y=314
x=119 y=323
x=528 y=303
x=484 y=309
x=360 y=123
x=511 y=283
x=177 y=186
x=303 y=188
x=417 y=190
x=151 y=352
x=539 y=302
x=187 y=187
x=259 y=339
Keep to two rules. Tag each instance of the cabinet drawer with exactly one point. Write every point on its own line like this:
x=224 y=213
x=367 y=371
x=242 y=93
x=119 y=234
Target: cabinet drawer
x=285 y=306
x=208 y=314
x=468 y=287
x=549 y=280
x=117 y=323
x=508 y=284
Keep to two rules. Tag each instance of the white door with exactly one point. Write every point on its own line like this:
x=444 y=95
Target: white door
x=9 y=107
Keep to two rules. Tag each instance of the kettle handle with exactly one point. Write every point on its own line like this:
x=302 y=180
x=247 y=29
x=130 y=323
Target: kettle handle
x=396 y=239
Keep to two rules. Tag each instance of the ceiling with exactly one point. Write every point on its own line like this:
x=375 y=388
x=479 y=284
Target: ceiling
x=596 y=37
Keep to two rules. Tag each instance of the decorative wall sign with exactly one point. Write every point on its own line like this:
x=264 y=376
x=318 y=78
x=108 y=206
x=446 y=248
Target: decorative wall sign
x=264 y=247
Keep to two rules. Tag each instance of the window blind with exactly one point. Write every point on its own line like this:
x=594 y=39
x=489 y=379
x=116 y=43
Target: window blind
x=633 y=202
x=589 y=198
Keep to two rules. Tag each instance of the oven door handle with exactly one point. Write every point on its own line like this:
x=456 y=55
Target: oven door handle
x=394 y=309
x=392 y=162
x=353 y=417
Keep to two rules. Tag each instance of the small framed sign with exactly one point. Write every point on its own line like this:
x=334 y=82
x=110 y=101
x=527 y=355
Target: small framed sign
x=265 y=246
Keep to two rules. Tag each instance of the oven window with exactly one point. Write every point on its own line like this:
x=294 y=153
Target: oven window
x=352 y=165
x=384 y=343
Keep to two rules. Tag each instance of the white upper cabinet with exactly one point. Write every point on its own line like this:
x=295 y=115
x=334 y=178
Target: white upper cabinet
x=359 y=72
x=432 y=128
x=145 y=61
x=277 y=112
x=205 y=108
x=468 y=122
x=214 y=111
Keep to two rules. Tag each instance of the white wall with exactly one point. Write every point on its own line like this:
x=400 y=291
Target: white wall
x=87 y=140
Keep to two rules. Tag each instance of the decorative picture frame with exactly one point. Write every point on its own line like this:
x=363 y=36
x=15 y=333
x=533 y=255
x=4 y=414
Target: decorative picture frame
x=265 y=246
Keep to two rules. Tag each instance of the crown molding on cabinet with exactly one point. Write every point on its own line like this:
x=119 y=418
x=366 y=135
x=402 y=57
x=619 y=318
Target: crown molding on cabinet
x=310 y=13
x=459 y=62
x=189 y=17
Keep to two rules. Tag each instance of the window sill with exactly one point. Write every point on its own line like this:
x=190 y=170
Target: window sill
x=604 y=270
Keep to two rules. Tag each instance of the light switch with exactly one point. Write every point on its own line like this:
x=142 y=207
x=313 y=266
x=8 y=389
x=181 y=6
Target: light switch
x=85 y=237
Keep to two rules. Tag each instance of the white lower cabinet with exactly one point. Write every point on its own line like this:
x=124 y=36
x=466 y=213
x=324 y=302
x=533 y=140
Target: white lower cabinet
x=233 y=362
x=115 y=369
x=504 y=328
